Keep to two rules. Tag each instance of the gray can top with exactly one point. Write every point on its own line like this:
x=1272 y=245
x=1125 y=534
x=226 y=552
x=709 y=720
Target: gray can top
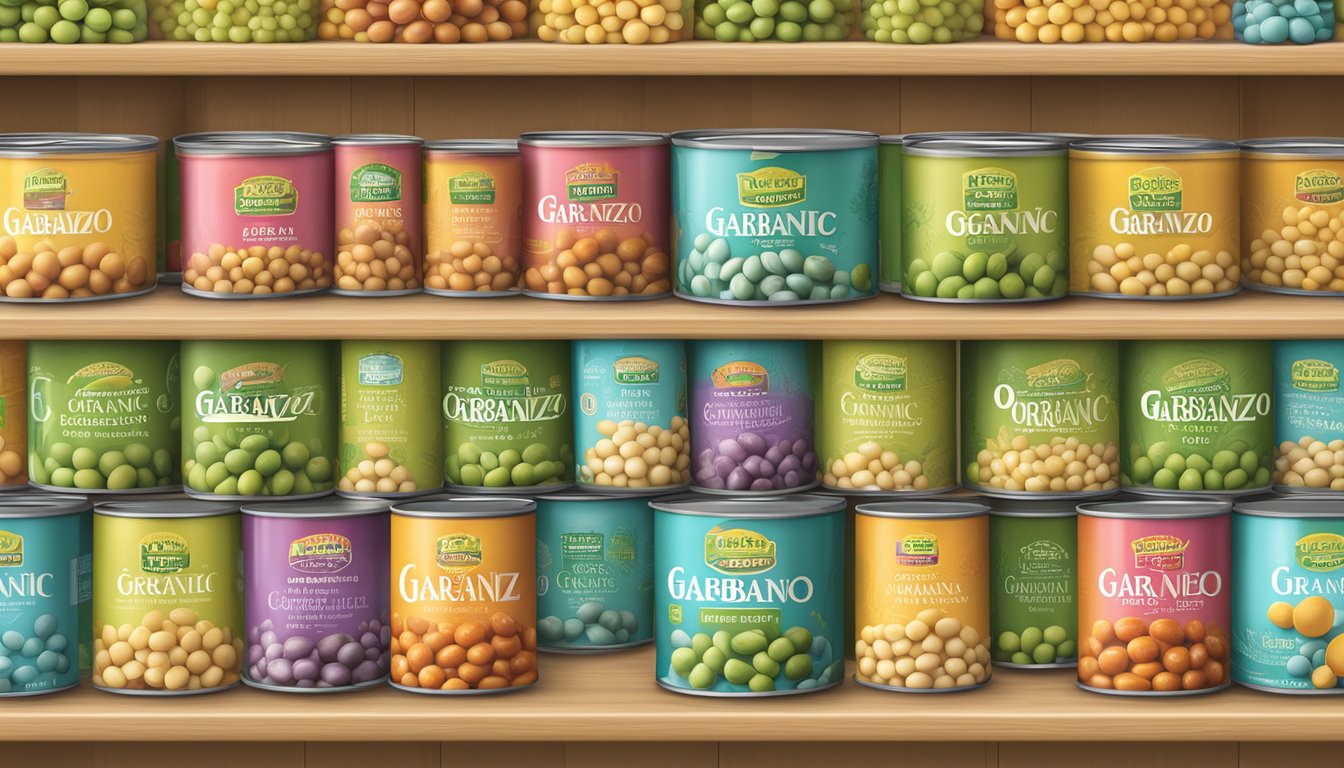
x=375 y=140
x=775 y=139
x=326 y=507
x=34 y=505
x=165 y=509
x=987 y=145
x=1156 y=509
x=40 y=144
x=245 y=143
x=474 y=146
x=465 y=506
x=1292 y=506
x=930 y=509
x=592 y=139
x=1153 y=145
x=794 y=505
x=1294 y=146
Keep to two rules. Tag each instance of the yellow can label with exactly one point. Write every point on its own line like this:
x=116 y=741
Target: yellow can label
x=1292 y=222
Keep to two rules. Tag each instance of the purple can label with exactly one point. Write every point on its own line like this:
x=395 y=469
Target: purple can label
x=751 y=416
x=316 y=601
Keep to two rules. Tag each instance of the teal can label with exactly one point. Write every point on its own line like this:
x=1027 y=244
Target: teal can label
x=1033 y=588
x=1308 y=416
x=594 y=572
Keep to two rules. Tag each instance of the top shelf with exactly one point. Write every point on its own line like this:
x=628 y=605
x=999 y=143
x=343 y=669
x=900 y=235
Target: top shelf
x=535 y=58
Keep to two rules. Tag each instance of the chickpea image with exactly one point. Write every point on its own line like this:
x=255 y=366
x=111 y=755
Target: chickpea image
x=934 y=651
x=1063 y=465
x=1132 y=654
x=633 y=454
x=602 y=266
x=50 y=271
x=11 y=464
x=1305 y=254
x=377 y=472
x=493 y=654
x=1310 y=463
x=427 y=21
x=871 y=468
x=1318 y=658
x=471 y=267
x=374 y=256
x=629 y=21
x=1181 y=271
x=1097 y=21
x=176 y=651
x=257 y=271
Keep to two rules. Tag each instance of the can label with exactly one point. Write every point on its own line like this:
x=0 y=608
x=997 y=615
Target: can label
x=473 y=207
x=889 y=218
x=13 y=419
x=389 y=427
x=1280 y=193
x=1033 y=576
x=378 y=209
x=1308 y=415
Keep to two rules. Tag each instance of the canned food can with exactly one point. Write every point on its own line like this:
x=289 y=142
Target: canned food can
x=390 y=444
x=887 y=416
x=256 y=213
x=1197 y=417
x=464 y=580
x=377 y=212
x=1286 y=184
x=1308 y=416
x=594 y=572
x=262 y=419
x=749 y=594
x=632 y=392
x=889 y=213
x=80 y=219
x=921 y=595
x=13 y=416
x=315 y=576
x=595 y=198
x=473 y=217
x=46 y=560
x=1033 y=583
x=1040 y=418
x=1153 y=605
x=166 y=577
x=103 y=416
x=752 y=411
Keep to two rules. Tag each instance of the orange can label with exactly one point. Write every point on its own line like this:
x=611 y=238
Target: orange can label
x=1292 y=216
x=13 y=417
x=473 y=221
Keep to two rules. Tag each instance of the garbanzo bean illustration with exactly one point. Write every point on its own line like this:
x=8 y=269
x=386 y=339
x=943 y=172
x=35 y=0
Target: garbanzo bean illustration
x=50 y=271
x=469 y=266
x=481 y=655
x=1181 y=271
x=871 y=468
x=1132 y=654
x=176 y=651
x=1310 y=463
x=377 y=473
x=1063 y=464
x=602 y=265
x=633 y=454
x=934 y=650
x=375 y=256
x=1306 y=253
x=257 y=270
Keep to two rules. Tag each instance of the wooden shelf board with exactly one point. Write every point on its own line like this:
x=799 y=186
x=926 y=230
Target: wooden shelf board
x=532 y=57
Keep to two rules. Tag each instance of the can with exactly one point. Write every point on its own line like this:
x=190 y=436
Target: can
x=390 y=444
x=889 y=213
x=1153 y=217
x=160 y=566
x=256 y=213
x=752 y=411
x=1197 y=417
x=765 y=216
x=315 y=576
x=46 y=564
x=1040 y=418
x=464 y=601
x=80 y=220
x=986 y=217
x=1308 y=416
x=1033 y=583
x=632 y=392
x=749 y=594
x=887 y=416
x=594 y=572
x=473 y=212
x=1285 y=184
x=103 y=416
x=595 y=198
x=506 y=415
x=921 y=595
x=13 y=416
x=262 y=419
x=1286 y=602
x=377 y=212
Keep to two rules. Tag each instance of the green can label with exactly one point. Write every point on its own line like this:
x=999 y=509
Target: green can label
x=1198 y=416
x=887 y=417
x=265 y=196
x=506 y=414
x=104 y=416
x=1033 y=578
x=389 y=429
x=1040 y=417
x=375 y=183
x=889 y=215
x=260 y=419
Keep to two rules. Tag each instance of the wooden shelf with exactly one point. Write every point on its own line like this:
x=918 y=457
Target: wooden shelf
x=980 y=58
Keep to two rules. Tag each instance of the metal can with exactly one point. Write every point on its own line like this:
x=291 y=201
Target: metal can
x=377 y=211
x=256 y=213
x=158 y=567
x=1040 y=418
x=46 y=563
x=595 y=198
x=770 y=216
x=1153 y=217
x=889 y=213
x=1197 y=417
x=103 y=416
x=80 y=219
x=464 y=600
x=1286 y=601
x=1285 y=184
x=13 y=416
x=631 y=392
x=262 y=419
x=1153 y=605
x=887 y=416
x=921 y=595
x=1308 y=416
x=749 y=594
x=1033 y=583
x=594 y=572
x=315 y=575
x=473 y=217
x=986 y=217
x=390 y=443
x=752 y=411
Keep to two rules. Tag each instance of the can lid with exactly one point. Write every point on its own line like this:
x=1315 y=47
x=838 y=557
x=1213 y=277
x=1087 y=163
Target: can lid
x=37 y=144
x=1141 y=144
x=40 y=505
x=923 y=509
x=592 y=139
x=1156 y=509
x=992 y=145
x=1292 y=506
x=474 y=146
x=329 y=506
x=445 y=505
x=252 y=143
x=892 y=138
x=168 y=508
x=1033 y=508
x=375 y=140
x=774 y=139
x=794 y=505
x=596 y=495
x=1313 y=146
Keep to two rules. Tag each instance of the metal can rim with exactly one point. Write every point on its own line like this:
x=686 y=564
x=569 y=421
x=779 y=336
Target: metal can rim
x=326 y=507
x=775 y=139
x=31 y=506
x=166 y=509
x=1157 y=509
x=1138 y=145
x=931 y=509
x=454 y=506
x=246 y=143
x=992 y=145
x=474 y=146
x=604 y=139
x=41 y=144
x=375 y=139
x=1306 y=505
x=1293 y=146
x=706 y=505
x=574 y=494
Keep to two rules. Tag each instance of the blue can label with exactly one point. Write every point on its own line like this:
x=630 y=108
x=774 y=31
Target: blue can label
x=1308 y=416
